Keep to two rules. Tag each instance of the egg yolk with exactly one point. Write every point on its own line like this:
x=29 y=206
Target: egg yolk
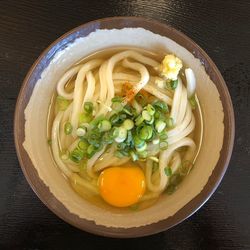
x=122 y=186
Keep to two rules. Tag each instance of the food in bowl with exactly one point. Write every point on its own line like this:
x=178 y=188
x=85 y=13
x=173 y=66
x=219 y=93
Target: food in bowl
x=100 y=40
x=121 y=126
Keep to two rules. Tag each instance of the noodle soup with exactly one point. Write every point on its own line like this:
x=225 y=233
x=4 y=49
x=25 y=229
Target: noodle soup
x=125 y=126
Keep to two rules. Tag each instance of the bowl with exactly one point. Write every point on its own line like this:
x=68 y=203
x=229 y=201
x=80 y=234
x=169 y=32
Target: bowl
x=32 y=109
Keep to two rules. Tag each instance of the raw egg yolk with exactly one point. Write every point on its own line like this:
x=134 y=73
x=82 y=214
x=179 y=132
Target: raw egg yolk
x=122 y=186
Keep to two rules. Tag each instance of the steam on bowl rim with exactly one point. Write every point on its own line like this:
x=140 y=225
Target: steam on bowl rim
x=42 y=191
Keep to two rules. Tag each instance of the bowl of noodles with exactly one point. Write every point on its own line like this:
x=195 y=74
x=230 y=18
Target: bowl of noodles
x=124 y=127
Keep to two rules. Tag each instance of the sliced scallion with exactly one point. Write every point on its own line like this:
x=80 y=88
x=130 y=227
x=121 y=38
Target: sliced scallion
x=168 y=171
x=193 y=102
x=160 y=105
x=146 y=116
x=170 y=122
x=160 y=125
x=141 y=147
x=88 y=107
x=117 y=106
x=145 y=132
x=80 y=132
x=139 y=120
x=104 y=125
x=117 y=99
x=83 y=145
x=122 y=135
x=68 y=128
x=128 y=124
x=133 y=155
x=150 y=109
x=62 y=103
x=173 y=84
x=91 y=150
x=76 y=155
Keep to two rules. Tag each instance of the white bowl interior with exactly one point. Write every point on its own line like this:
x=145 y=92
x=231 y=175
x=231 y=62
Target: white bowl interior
x=36 y=136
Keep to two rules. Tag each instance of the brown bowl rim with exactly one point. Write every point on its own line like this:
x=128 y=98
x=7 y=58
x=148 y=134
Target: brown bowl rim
x=43 y=192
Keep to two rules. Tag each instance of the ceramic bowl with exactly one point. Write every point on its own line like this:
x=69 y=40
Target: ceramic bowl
x=31 y=117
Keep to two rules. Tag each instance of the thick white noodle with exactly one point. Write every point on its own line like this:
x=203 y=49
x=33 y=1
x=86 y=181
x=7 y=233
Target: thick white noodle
x=141 y=69
x=55 y=145
x=90 y=88
x=92 y=161
x=78 y=91
x=64 y=79
x=176 y=100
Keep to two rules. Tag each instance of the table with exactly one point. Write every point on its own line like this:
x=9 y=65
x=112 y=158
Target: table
x=220 y=27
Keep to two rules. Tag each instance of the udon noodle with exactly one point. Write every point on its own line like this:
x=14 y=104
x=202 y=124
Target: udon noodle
x=127 y=111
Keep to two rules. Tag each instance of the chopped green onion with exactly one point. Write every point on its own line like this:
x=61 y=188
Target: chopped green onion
x=128 y=110
x=117 y=106
x=133 y=155
x=140 y=99
x=91 y=150
x=170 y=189
x=170 y=122
x=107 y=138
x=160 y=105
x=121 y=146
x=185 y=168
x=76 y=155
x=175 y=179
x=142 y=147
x=68 y=128
x=151 y=121
x=138 y=142
x=163 y=136
x=122 y=135
x=160 y=126
x=88 y=107
x=85 y=118
x=117 y=99
x=119 y=154
x=173 y=84
x=192 y=101
x=145 y=132
x=128 y=124
x=146 y=116
x=168 y=171
x=143 y=154
x=83 y=145
x=114 y=132
x=114 y=118
x=80 y=132
x=62 y=103
x=163 y=145
x=104 y=125
x=150 y=109
x=97 y=120
x=49 y=141
x=139 y=120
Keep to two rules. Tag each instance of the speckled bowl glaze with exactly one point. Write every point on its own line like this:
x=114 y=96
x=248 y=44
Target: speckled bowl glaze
x=44 y=192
